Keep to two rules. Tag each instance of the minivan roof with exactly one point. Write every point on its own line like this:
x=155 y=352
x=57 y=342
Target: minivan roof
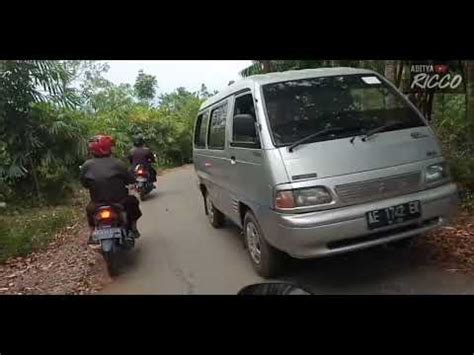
x=275 y=77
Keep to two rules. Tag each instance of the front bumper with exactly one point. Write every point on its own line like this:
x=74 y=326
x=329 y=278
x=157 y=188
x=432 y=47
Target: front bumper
x=336 y=231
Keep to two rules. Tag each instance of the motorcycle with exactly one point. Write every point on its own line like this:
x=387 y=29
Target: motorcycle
x=111 y=234
x=143 y=184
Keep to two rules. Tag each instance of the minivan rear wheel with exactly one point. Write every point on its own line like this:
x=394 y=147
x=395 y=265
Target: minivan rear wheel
x=216 y=217
x=266 y=260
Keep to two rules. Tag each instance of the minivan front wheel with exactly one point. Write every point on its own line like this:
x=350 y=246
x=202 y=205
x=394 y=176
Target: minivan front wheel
x=216 y=217
x=266 y=260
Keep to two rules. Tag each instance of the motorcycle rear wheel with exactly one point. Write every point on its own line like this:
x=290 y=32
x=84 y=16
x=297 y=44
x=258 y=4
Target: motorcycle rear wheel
x=112 y=263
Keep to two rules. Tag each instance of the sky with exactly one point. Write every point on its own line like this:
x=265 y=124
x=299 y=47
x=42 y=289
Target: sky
x=171 y=74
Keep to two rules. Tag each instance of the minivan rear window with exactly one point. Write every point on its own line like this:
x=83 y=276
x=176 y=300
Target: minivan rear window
x=351 y=104
x=200 y=132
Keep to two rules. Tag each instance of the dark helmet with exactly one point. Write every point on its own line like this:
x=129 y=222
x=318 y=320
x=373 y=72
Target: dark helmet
x=138 y=140
x=101 y=145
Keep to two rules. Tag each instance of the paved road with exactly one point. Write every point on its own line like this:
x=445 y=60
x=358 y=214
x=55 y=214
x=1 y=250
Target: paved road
x=180 y=253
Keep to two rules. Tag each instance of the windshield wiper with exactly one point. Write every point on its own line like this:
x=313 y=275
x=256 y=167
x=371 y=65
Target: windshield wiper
x=380 y=128
x=313 y=135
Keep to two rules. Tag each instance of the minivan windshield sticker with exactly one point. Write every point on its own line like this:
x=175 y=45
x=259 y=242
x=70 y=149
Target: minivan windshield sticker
x=371 y=80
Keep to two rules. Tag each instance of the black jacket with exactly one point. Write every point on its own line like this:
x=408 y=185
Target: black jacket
x=141 y=155
x=106 y=178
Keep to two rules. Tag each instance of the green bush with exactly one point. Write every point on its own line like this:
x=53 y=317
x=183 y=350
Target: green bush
x=455 y=134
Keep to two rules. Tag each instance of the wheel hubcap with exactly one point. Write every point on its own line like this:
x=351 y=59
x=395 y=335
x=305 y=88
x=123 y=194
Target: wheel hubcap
x=253 y=242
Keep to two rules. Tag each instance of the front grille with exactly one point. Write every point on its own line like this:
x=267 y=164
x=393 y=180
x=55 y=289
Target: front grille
x=378 y=189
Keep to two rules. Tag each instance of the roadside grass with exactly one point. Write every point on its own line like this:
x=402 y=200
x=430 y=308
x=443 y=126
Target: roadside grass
x=24 y=230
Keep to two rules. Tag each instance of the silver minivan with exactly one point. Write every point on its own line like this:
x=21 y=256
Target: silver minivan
x=319 y=162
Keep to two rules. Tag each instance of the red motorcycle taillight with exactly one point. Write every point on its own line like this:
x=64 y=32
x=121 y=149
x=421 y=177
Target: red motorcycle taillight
x=106 y=214
x=140 y=172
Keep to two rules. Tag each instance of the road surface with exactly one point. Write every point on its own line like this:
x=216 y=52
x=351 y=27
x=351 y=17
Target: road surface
x=180 y=253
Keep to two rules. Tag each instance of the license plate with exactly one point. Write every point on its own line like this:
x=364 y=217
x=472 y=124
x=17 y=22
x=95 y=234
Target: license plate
x=107 y=233
x=141 y=179
x=393 y=215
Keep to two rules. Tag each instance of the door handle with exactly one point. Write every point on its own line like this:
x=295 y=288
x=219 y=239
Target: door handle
x=232 y=160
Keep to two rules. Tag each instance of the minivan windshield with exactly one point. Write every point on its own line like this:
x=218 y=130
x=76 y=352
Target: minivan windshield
x=340 y=106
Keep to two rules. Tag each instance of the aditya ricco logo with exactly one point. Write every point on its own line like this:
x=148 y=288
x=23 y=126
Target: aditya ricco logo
x=434 y=77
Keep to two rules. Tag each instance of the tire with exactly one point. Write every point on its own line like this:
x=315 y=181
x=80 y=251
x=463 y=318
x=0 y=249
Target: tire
x=216 y=217
x=266 y=260
x=112 y=263
x=142 y=195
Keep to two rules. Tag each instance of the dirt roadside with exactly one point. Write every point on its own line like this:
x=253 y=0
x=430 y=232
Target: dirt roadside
x=451 y=247
x=66 y=266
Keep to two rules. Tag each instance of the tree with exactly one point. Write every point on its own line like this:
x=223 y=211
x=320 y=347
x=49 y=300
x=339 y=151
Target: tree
x=174 y=101
x=204 y=93
x=390 y=70
x=470 y=94
x=112 y=98
x=145 y=86
x=267 y=66
x=23 y=84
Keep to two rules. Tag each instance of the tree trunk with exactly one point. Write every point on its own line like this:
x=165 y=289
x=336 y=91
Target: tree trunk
x=470 y=95
x=442 y=104
x=429 y=105
x=35 y=180
x=390 y=66
x=399 y=76
x=267 y=66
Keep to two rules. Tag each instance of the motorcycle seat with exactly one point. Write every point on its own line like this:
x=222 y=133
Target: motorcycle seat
x=116 y=206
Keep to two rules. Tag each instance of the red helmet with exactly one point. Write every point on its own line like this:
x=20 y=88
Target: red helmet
x=101 y=146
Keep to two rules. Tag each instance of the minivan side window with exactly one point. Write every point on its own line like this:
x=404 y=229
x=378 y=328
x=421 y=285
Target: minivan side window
x=217 y=122
x=244 y=133
x=200 y=132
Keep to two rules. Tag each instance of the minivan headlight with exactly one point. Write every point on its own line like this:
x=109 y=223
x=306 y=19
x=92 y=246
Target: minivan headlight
x=311 y=196
x=436 y=172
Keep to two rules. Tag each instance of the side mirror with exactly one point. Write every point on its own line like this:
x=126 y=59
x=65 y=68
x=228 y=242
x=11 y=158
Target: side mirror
x=272 y=289
x=244 y=129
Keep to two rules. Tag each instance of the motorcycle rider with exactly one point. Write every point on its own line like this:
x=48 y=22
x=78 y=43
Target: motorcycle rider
x=140 y=154
x=107 y=178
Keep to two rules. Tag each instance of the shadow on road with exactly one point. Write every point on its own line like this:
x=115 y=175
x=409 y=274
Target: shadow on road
x=151 y=196
x=357 y=270
x=157 y=193
x=128 y=260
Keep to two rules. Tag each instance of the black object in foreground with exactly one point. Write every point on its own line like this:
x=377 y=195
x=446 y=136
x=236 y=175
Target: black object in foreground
x=272 y=288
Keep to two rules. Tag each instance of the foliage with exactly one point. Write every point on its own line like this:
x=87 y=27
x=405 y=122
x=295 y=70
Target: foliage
x=166 y=129
x=26 y=88
x=454 y=131
x=48 y=109
x=145 y=86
